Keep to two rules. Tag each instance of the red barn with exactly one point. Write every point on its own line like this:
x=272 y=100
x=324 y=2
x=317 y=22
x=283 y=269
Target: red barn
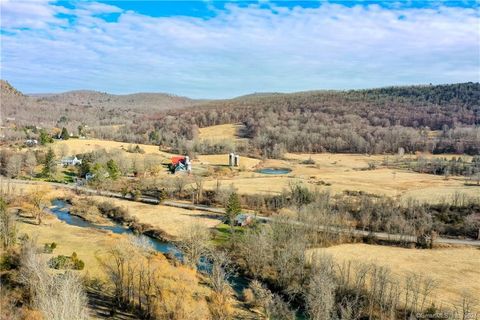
x=177 y=159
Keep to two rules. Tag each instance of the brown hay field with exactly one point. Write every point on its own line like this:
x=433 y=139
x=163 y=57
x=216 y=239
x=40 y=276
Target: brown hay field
x=222 y=160
x=331 y=172
x=220 y=132
x=456 y=270
x=23 y=188
x=76 y=146
x=168 y=219
x=92 y=245
x=340 y=172
x=89 y=244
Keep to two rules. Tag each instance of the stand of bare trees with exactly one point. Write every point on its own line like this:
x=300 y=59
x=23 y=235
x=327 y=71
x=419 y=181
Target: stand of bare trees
x=194 y=244
x=277 y=253
x=138 y=284
x=57 y=296
x=270 y=305
x=221 y=270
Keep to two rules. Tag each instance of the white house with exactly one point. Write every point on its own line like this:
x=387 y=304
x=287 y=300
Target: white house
x=71 y=161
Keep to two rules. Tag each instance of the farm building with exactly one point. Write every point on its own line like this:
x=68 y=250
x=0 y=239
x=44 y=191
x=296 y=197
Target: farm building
x=233 y=160
x=243 y=220
x=180 y=164
x=71 y=161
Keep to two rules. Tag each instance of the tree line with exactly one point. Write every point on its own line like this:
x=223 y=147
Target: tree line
x=438 y=119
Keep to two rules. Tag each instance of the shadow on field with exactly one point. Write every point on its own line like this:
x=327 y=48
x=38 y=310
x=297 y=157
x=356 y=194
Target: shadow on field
x=102 y=306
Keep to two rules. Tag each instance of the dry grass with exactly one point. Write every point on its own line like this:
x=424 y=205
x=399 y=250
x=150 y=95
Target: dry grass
x=169 y=219
x=23 y=188
x=331 y=172
x=456 y=269
x=255 y=184
x=339 y=172
x=76 y=146
x=87 y=243
x=220 y=132
x=222 y=160
x=92 y=247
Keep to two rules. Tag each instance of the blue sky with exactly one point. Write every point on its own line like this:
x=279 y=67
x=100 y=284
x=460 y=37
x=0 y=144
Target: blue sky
x=216 y=49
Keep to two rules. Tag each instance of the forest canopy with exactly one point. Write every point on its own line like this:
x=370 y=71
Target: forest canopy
x=432 y=118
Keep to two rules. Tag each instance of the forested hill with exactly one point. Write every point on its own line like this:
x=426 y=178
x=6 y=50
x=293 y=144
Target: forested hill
x=434 y=118
x=450 y=96
x=440 y=118
x=467 y=94
x=92 y=108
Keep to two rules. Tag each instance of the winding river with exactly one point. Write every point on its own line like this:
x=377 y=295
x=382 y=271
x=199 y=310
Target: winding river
x=61 y=209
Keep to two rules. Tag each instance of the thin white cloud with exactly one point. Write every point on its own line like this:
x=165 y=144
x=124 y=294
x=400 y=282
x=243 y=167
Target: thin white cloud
x=240 y=50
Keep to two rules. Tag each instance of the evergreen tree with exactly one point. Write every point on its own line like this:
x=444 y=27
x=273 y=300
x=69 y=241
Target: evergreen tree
x=64 y=135
x=113 y=169
x=153 y=136
x=45 y=137
x=86 y=166
x=232 y=209
x=49 y=166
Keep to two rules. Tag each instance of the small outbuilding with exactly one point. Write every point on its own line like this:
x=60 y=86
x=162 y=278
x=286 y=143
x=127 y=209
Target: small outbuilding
x=243 y=220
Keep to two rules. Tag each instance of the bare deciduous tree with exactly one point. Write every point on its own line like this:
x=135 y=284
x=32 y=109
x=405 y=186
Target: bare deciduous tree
x=8 y=229
x=194 y=243
x=58 y=297
x=320 y=291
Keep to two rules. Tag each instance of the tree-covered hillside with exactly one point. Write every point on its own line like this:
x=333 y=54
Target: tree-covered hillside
x=442 y=118
x=434 y=118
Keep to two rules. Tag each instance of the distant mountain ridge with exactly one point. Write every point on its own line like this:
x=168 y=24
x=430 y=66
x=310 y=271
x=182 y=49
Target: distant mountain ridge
x=101 y=108
x=45 y=109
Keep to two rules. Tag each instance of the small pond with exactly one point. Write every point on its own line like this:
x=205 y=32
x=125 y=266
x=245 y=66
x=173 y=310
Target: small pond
x=274 y=170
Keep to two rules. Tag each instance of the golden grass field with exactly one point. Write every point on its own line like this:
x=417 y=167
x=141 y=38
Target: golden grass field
x=92 y=247
x=455 y=269
x=331 y=172
x=342 y=172
x=23 y=188
x=220 y=132
x=171 y=220
x=222 y=160
x=89 y=244
x=75 y=146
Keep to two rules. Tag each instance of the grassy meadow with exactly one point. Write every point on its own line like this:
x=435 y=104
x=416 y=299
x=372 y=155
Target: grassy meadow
x=454 y=270
x=335 y=173
x=171 y=220
x=228 y=131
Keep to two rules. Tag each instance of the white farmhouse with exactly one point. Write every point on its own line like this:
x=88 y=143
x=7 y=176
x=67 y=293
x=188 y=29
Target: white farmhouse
x=71 y=161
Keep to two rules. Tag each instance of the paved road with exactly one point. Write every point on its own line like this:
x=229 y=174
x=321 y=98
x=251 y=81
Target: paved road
x=358 y=233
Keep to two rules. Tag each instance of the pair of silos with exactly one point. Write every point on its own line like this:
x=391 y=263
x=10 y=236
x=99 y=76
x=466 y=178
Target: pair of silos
x=233 y=160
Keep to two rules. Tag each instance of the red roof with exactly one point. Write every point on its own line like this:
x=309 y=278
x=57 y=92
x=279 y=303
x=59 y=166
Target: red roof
x=177 y=159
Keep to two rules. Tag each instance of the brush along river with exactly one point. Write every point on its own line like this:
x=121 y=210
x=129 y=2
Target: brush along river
x=61 y=210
